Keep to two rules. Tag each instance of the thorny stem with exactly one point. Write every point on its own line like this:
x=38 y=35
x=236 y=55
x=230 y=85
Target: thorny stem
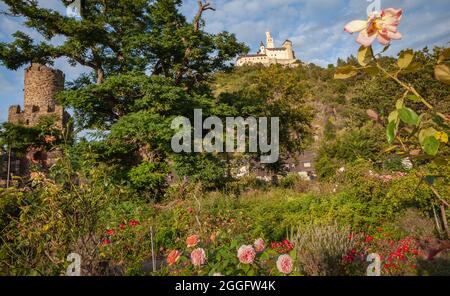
x=406 y=86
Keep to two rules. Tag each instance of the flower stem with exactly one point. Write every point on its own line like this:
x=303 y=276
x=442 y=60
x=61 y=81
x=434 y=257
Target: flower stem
x=406 y=86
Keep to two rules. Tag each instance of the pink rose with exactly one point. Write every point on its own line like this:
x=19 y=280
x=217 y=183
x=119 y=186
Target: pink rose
x=246 y=254
x=285 y=264
x=381 y=26
x=192 y=241
x=259 y=245
x=198 y=257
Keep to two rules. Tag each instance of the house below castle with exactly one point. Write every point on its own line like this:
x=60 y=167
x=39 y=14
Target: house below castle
x=269 y=54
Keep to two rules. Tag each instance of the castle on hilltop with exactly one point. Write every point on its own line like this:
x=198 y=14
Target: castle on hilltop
x=269 y=54
x=41 y=84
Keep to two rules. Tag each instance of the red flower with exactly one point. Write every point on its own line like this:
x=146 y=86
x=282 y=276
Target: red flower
x=106 y=241
x=133 y=223
x=192 y=241
x=369 y=239
x=190 y=210
x=415 y=252
x=122 y=226
x=173 y=257
x=282 y=247
x=110 y=232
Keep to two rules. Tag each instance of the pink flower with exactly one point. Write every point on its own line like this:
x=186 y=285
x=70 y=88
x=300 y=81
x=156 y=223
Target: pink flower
x=259 y=245
x=173 y=257
x=285 y=264
x=192 y=241
x=246 y=254
x=382 y=27
x=198 y=257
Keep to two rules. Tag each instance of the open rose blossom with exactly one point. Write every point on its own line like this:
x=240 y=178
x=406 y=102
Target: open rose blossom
x=285 y=264
x=246 y=254
x=192 y=241
x=198 y=257
x=173 y=257
x=381 y=26
x=259 y=245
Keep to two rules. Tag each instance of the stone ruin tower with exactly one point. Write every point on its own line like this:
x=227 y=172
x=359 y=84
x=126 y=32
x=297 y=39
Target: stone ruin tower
x=41 y=85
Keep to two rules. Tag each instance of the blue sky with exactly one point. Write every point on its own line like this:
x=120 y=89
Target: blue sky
x=314 y=26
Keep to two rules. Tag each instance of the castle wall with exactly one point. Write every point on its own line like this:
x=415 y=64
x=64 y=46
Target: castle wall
x=41 y=85
x=269 y=54
x=15 y=114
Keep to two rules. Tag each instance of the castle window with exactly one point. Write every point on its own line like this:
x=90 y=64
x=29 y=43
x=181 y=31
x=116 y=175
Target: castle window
x=27 y=122
x=35 y=109
x=51 y=108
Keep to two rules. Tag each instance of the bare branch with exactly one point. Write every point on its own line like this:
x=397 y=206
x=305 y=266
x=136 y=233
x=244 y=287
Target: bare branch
x=202 y=7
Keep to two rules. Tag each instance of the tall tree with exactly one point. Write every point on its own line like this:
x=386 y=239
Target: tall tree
x=115 y=37
x=149 y=64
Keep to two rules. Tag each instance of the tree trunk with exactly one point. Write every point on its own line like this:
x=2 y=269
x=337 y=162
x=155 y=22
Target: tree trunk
x=100 y=76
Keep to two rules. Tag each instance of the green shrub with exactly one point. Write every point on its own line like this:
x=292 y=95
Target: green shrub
x=149 y=177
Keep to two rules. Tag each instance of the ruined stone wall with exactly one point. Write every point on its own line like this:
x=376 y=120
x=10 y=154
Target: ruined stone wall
x=41 y=85
x=15 y=114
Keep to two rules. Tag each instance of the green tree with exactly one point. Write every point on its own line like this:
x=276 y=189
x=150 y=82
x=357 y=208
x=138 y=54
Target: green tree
x=148 y=64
